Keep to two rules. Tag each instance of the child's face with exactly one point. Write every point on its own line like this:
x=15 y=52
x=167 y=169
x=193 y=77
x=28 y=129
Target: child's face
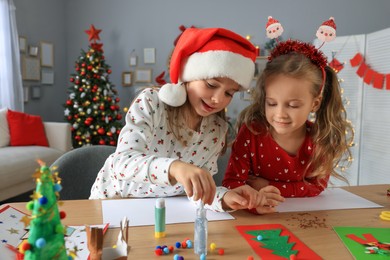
x=212 y=95
x=288 y=103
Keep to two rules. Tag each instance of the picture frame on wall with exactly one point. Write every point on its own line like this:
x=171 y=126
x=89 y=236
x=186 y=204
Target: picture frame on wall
x=47 y=54
x=36 y=92
x=47 y=77
x=33 y=51
x=143 y=75
x=25 y=94
x=22 y=44
x=133 y=58
x=149 y=55
x=127 y=79
x=31 y=69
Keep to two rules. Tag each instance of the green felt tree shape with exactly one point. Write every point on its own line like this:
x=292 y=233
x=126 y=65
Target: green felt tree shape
x=46 y=236
x=271 y=239
x=92 y=105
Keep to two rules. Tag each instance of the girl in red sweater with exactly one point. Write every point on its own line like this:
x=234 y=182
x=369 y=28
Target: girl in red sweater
x=276 y=144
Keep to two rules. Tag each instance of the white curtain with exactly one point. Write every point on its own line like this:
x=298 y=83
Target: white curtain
x=11 y=88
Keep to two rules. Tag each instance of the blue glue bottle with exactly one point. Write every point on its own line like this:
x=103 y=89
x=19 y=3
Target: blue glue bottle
x=200 y=237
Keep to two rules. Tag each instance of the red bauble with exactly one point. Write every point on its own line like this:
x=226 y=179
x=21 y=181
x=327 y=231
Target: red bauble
x=77 y=138
x=117 y=100
x=119 y=116
x=113 y=143
x=118 y=132
x=70 y=118
x=101 y=131
x=109 y=71
x=26 y=246
x=81 y=89
x=109 y=134
x=82 y=73
x=77 y=82
x=69 y=102
x=102 y=107
x=110 y=118
x=94 y=98
x=109 y=99
x=83 y=65
x=89 y=67
x=102 y=142
x=87 y=122
x=113 y=108
x=76 y=116
x=71 y=79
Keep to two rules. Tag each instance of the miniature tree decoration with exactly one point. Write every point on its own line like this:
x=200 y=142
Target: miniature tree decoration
x=46 y=236
x=92 y=106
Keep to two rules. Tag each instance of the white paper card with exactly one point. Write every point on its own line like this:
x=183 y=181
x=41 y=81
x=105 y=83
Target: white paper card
x=140 y=212
x=329 y=199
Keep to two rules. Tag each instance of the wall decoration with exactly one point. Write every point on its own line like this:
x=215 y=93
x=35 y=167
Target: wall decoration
x=133 y=58
x=143 y=75
x=47 y=53
x=25 y=94
x=33 y=50
x=36 y=92
x=31 y=68
x=47 y=77
x=127 y=78
x=22 y=44
x=149 y=55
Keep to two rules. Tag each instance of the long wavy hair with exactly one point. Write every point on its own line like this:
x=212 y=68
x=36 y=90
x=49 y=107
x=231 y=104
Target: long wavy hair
x=331 y=132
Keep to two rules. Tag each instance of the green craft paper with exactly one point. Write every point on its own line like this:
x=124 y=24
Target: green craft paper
x=357 y=250
x=273 y=241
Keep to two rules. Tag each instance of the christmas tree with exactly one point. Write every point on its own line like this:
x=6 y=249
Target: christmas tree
x=46 y=237
x=271 y=239
x=92 y=106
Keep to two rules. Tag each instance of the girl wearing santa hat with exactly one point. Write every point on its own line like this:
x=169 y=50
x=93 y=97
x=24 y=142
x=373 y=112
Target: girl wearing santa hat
x=173 y=136
x=277 y=144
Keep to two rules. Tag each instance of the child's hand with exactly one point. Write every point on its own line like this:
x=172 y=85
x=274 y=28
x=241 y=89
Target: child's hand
x=272 y=198
x=196 y=181
x=257 y=182
x=243 y=197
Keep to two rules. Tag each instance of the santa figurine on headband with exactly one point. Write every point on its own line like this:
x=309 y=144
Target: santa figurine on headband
x=274 y=28
x=327 y=31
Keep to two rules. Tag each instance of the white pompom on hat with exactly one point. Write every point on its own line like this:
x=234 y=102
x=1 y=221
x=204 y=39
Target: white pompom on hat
x=208 y=53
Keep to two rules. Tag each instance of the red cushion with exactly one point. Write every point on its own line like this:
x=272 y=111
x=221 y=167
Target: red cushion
x=26 y=129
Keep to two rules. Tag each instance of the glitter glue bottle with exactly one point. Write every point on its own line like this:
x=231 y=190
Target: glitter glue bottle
x=159 y=218
x=200 y=237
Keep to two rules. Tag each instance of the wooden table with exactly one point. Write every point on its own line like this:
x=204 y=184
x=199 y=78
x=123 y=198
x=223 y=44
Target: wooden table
x=313 y=228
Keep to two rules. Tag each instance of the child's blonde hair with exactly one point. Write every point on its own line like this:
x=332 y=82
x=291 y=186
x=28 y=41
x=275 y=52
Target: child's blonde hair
x=332 y=133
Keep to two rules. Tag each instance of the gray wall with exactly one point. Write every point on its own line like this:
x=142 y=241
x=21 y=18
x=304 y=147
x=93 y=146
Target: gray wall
x=138 y=24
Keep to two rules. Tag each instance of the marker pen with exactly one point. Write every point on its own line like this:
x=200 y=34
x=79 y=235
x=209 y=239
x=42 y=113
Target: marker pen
x=159 y=218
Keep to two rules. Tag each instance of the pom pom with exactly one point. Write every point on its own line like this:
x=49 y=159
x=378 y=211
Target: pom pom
x=174 y=95
x=42 y=200
x=30 y=205
x=25 y=246
x=60 y=229
x=62 y=214
x=57 y=187
x=41 y=242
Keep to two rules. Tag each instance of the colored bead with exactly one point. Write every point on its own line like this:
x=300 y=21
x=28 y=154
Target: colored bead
x=158 y=247
x=181 y=257
x=30 y=205
x=166 y=250
x=184 y=245
x=293 y=257
x=213 y=246
x=178 y=244
x=221 y=251
x=259 y=237
x=250 y=257
x=62 y=214
x=57 y=187
x=202 y=257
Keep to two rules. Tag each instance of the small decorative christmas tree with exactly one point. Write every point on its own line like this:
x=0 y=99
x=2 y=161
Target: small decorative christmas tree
x=92 y=106
x=46 y=236
x=271 y=239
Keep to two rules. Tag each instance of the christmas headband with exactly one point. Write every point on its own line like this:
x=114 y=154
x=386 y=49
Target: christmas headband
x=325 y=33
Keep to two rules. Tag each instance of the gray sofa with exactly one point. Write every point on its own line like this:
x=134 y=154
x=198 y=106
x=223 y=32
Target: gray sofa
x=18 y=163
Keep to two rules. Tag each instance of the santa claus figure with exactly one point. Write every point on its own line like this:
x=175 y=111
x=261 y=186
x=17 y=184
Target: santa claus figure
x=327 y=31
x=274 y=28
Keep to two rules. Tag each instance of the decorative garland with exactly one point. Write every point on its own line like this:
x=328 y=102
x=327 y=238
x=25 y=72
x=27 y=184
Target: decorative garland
x=369 y=75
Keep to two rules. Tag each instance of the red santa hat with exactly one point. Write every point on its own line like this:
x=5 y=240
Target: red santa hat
x=329 y=24
x=208 y=53
x=272 y=22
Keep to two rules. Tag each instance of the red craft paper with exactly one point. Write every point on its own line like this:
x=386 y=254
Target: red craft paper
x=388 y=81
x=368 y=77
x=356 y=60
x=362 y=69
x=304 y=252
x=378 y=80
x=336 y=65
